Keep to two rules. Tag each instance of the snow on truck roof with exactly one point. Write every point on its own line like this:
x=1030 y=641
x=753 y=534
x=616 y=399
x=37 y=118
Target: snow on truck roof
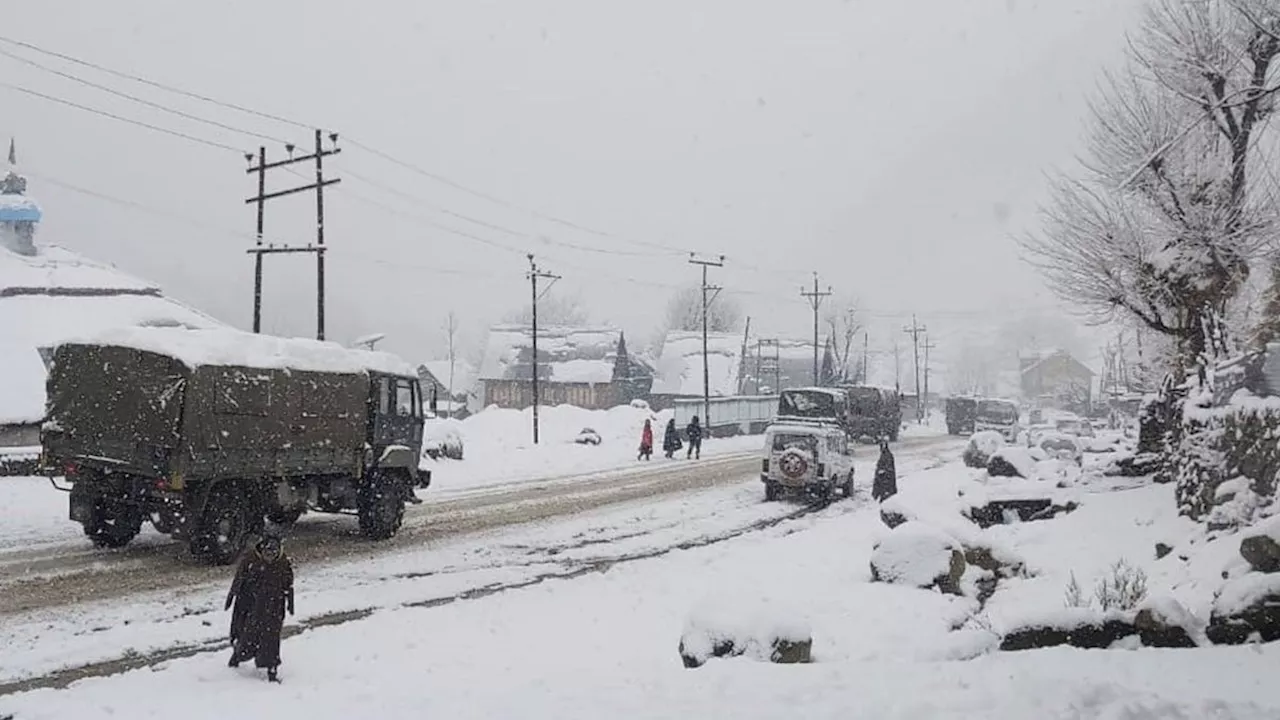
x=225 y=347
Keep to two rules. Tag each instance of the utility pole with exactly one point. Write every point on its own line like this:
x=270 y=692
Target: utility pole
x=928 y=345
x=742 y=359
x=261 y=198
x=897 y=366
x=815 y=301
x=866 y=356
x=915 y=331
x=534 y=274
x=706 y=367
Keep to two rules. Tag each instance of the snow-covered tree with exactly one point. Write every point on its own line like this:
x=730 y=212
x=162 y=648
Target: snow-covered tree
x=684 y=311
x=844 y=330
x=1164 y=223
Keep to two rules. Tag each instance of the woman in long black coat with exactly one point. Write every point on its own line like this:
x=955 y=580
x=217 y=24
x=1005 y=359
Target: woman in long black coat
x=262 y=591
x=885 y=484
x=671 y=439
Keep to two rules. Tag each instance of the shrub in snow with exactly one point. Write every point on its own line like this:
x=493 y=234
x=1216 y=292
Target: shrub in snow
x=1012 y=462
x=1061 y=446
x=639 y=404
x=442 y=437
x=1247 y=609
x=919 y=555
x=982 y=445
x=762 y=631
x=1260 y=546
x=1122 y=587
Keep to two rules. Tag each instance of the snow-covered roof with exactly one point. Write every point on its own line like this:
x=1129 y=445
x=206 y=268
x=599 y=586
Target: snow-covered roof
x=226 y=346
x=55 y=296
x=565 y=355
x=679 y=367
x=55 y=270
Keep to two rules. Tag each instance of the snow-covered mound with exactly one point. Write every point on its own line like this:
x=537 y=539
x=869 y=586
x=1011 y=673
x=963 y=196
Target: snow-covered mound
x=752 y=628
x=982 y=445
x=918 y=555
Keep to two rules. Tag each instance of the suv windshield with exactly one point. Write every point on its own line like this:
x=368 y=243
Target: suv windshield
x=784 y=441
x=997 y=411
x=807 y=403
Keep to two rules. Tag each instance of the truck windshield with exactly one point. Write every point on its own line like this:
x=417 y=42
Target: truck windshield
x=995 y=411
x=783 y=442
x=807 y=403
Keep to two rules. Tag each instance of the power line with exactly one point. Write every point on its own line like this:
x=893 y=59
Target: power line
x=121 y=118
x=153 y=83
x=139 y=100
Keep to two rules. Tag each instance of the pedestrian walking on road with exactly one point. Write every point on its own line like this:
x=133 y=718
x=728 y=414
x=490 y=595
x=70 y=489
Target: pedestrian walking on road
x=694 y=432
x=262 y=591
x=646 y=441
x=885 y=484
x=671 y=439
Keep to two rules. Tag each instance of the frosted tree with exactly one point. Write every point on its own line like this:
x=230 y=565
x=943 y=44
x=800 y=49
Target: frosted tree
x=844 y=331
x=1163 y=224
x=684 y=311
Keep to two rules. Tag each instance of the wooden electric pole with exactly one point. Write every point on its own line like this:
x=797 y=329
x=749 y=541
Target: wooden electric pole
x=866 y=353
x=261 y=198
x=534 y=274
x=928 y=345
x=706 y=366
x=815 y=301
x=915 y=331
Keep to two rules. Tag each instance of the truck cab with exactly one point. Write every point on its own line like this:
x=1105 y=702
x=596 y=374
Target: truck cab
x=395 y=421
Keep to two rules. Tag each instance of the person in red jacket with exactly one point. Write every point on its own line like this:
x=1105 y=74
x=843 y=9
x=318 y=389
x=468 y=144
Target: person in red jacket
x=646 y=442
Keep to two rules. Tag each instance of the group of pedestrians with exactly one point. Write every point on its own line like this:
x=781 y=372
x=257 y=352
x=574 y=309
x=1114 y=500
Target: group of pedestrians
x=671 y=442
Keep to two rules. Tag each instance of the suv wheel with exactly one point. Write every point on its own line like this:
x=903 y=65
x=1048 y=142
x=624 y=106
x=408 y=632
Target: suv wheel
x=381 y=505
x=224 y=526
x=114 y=522
x=772 y=491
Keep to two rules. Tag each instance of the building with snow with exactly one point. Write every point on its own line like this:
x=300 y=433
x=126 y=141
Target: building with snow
x=585 y=367
x=1056 y=379
x=438 y=378
x=737 y=365
x=49 y=295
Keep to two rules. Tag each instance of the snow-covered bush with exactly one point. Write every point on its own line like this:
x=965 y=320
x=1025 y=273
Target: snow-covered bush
x=982 y=445
x=919 y=555
x=1220 y=445
x=1123 y=587
x=442 y=438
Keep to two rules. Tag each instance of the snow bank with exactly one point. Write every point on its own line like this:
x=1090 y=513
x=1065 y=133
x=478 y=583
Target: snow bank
x=1016 y=458
x=224 y=346
x=913 y=554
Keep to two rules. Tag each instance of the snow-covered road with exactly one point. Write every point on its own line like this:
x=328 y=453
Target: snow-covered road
x=80 y=607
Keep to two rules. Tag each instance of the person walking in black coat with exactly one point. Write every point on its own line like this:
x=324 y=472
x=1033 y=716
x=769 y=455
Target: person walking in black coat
x=262 y=591
x=671 y=439
x=885 y=484
x=694 y=431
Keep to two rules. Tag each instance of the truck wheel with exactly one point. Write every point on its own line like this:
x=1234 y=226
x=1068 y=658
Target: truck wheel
x=224 y=526
x=846 y=489
x=114 y=523
x=381 y=506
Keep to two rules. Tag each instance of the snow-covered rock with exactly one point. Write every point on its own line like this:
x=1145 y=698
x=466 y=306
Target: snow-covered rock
x=762 y=630
x=1260 y=546
x=1012 y=462
x=982 y=445
x=1247 y=608
x=919 y=555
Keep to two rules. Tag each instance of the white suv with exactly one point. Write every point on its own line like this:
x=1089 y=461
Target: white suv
x=810 y=458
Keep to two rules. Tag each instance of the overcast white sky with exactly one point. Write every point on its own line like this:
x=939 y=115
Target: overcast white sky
x=894 y=147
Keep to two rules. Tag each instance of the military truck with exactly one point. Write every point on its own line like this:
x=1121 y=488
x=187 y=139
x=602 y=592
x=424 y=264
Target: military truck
x=208 y=433
x=875 y=412
x=962 y=414
x=814 y=404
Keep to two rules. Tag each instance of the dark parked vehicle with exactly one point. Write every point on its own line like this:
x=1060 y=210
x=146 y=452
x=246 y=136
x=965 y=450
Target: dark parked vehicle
x=814 y=404
x=962 y=413
x=208 y=433
x=875 y=412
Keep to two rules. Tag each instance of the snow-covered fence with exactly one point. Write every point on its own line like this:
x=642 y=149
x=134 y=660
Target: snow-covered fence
x=740 y=415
